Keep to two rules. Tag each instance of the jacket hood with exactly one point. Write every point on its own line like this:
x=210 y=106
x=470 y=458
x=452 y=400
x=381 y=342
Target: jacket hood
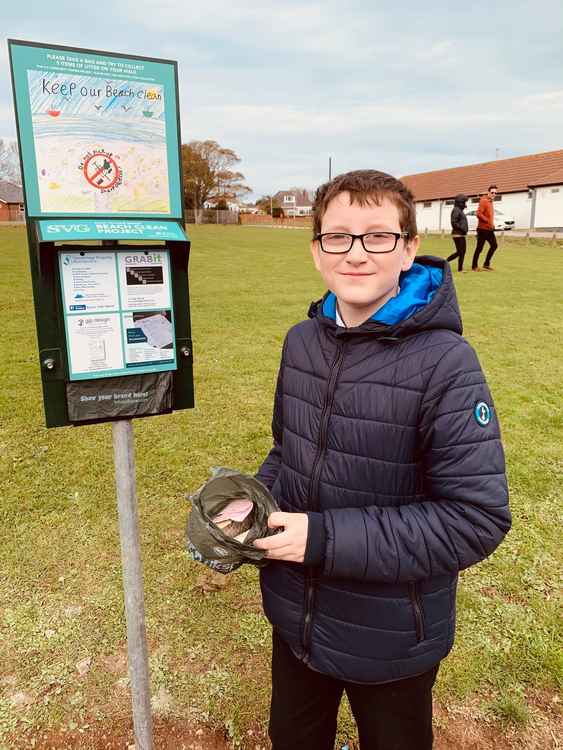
x=460 y=200
x=426 y=301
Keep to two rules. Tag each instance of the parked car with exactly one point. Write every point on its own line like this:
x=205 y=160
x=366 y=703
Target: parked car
x=502 y=220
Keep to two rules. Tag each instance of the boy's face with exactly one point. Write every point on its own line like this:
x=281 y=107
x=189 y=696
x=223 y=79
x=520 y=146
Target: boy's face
x=361 y=281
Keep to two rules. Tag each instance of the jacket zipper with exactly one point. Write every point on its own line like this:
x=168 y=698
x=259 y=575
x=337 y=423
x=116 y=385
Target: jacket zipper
x=313 y=489
x=417 y=609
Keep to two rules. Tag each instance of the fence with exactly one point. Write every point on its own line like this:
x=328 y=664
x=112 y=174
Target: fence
x=288 y=221
x=216 y=216
x=211 y=216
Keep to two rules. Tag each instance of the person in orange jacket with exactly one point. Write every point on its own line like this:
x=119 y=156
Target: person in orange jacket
x=485 y=229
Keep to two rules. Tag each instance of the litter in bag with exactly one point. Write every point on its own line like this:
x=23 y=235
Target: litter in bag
x=228 y=513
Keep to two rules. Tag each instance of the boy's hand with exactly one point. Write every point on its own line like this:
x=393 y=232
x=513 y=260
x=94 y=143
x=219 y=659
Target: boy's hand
x=290 y=544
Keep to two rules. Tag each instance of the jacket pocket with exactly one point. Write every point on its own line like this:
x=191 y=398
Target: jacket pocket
x=418 y=613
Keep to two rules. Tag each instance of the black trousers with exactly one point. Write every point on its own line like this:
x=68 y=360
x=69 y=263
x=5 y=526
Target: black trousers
x=484 y=235
x=460 y=248
x=394 y=716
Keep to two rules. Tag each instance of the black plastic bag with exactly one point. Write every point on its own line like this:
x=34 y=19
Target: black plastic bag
x=207 y=542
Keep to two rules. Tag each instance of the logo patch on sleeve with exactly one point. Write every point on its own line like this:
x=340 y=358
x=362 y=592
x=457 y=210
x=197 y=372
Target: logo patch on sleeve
x=482 y=413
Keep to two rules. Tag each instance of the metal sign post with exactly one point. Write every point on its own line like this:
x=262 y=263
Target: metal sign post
x=124 y=458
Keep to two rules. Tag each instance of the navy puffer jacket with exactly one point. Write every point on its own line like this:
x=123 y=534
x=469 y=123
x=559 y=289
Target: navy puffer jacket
x=386 y=435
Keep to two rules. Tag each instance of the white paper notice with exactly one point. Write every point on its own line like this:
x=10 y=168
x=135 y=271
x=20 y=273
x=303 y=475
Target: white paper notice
x=157 y=329
x=94 y=343
x=89 y=282
x=144 y=280
x=149 y=338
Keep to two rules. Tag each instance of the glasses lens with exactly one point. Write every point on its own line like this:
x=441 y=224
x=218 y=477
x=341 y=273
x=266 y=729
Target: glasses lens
x=336 y=243
x=379 y=242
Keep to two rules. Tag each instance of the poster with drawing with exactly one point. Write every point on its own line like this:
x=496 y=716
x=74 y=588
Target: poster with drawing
x=98 y=132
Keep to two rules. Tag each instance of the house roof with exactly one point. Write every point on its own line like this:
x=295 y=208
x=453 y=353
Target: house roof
x=10 y=192
x=511 y=175
x=554 y=178
x=301 y=197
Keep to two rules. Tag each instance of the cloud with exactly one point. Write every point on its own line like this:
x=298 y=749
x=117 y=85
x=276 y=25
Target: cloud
x=405 y=87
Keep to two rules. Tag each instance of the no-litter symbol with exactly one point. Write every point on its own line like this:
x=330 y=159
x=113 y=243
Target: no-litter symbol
x=101 y=171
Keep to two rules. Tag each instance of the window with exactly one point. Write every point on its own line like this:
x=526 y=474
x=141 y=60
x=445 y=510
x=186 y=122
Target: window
x=475 y=200
x=530 y=194
x=498 y=197
x=427 y=204
x=554 y=190
x=449 y=203
x=289 y=199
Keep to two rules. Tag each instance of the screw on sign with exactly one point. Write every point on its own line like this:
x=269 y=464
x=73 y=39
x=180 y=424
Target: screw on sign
x=101 y=171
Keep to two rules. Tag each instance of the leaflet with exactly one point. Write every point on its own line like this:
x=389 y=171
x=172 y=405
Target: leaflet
x=96 y=343
x=149 y=337
x=144 y=280
x=89 y=281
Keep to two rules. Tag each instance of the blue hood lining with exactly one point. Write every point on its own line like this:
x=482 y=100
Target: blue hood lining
x=418 y=286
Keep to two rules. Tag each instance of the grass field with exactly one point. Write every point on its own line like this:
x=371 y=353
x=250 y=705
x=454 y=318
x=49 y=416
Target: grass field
x=62 y=647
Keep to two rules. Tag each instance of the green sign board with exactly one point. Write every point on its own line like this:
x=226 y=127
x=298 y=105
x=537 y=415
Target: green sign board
x=98 y=133
x=99 y=137
x=109 y=229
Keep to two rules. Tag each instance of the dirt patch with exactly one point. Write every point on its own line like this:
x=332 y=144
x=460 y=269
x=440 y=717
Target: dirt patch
x=464 y=732
x=115 y=663
x=168 y=734
x=451 y=733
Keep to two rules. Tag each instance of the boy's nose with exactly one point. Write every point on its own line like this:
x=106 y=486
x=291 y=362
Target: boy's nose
x=356 y=254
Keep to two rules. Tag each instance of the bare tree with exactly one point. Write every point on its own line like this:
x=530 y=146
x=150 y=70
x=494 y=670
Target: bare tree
x=9 y=161
x=208 y=174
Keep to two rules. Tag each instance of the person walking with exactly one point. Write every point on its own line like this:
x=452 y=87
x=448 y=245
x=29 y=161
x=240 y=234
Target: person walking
x=459 y=230
x=485 y=229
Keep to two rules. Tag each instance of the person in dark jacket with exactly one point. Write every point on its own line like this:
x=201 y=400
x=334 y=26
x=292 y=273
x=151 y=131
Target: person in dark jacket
x=459 y=230
x=389 y=471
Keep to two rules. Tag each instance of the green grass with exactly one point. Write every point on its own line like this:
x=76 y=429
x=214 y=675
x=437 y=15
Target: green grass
x=60 y=583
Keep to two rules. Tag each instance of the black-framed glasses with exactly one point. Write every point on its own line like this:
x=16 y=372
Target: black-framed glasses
x=372 y=242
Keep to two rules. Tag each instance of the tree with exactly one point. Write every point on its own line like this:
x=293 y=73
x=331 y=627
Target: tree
x=9 y=162
x=208 y=174
x=267 y=203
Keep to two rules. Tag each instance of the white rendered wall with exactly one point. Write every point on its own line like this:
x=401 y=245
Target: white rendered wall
x=428 y=218
x=549 y=207
x=517 y=205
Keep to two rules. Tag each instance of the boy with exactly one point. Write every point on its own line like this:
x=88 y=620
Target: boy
x=388 y=467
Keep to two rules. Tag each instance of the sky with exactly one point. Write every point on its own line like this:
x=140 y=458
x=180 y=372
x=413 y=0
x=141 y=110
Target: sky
x=404 y=87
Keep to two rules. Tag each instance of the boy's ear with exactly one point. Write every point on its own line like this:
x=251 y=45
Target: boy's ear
x=411 y=249
x=316 y=253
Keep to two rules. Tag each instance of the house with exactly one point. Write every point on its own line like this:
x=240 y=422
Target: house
x=530 y=190
x=212 y=203
x=11 y=202
x=294 y=202
x=248 y=208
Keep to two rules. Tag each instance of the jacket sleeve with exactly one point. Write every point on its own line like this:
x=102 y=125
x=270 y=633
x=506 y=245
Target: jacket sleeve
x=482 y=211
x=465 y=514
x=455 y=219
x=270 y=467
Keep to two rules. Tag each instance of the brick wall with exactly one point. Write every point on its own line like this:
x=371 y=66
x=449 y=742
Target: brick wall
x=11 y=212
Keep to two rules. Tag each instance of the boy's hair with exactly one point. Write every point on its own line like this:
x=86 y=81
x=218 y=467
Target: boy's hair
x=367 y=186
x=491 y=187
